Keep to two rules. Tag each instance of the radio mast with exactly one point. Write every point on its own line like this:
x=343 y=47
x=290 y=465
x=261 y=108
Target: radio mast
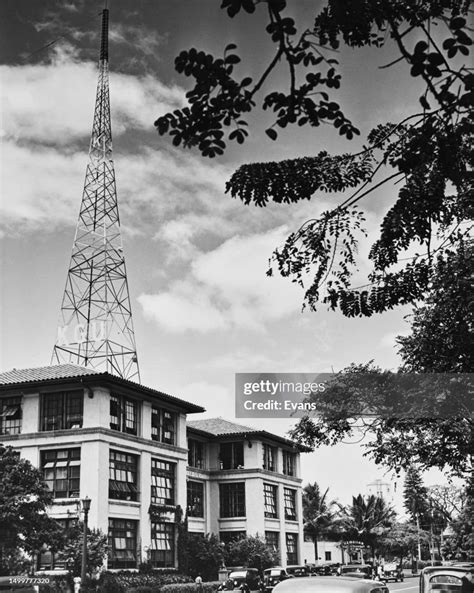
x=95 y=328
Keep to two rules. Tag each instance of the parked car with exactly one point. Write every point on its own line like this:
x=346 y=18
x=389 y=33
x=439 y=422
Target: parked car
x=273 y=576
x=447 y=579
x=298 y=570
x=392 y=572
x=246 y=579
x=361 y=571
x=330 y=585
x=326 y=569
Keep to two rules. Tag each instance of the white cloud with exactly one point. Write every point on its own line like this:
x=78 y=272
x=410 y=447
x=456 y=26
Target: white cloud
x=139 y=38
x=182 y=311
x=216 y=399
x=226 y=289
x=53 y=103
x=39 y=185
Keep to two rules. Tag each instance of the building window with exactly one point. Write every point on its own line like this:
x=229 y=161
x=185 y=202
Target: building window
x=269 y=458
x=122 y=544
x=232 y=499
x=162 y=544
x=10 y=415
x=163 y=426
x=289 y=463
x=195 y=504
x=272 y=539
x=291 y=548
x=61 y=469
x=195 y=454
x=289 y=497
x=162 y=482
x=270 y=496
x=123 y=414
x=61 y=410
x=231 y=455
x=123 y=474
x=328 y=556
x=227 y=537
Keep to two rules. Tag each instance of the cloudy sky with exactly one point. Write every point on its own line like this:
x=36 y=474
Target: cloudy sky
x=196 y=259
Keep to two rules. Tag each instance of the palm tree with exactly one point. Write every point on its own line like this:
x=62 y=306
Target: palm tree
x=318 y=513
x=367 y=519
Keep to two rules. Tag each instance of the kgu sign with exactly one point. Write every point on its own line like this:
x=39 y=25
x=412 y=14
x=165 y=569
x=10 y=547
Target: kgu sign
x=81 y=333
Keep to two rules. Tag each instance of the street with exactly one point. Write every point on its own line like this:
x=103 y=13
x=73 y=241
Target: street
x=410 y=585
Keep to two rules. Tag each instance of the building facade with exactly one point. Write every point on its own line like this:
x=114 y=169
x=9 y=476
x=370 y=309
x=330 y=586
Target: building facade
x=243 y=481
x=130 y=449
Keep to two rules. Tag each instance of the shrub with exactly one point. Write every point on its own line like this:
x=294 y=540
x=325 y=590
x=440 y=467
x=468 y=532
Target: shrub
x=148 y=582
x=209 y=587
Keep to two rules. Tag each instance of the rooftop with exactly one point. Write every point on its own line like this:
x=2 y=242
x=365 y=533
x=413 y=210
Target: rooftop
x=61 y=372
x=218 y=427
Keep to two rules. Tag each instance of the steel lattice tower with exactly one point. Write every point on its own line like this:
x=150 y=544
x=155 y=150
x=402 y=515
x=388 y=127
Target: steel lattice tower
x=95 y=327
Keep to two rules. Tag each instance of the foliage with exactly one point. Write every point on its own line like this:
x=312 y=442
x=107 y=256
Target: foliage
x=251 y=551
x=460 y=544
x=429 y=153
x=366 y=520
x=205 y=555
x=71 y=550
x=417 y=416
x=182 y=540
x=441 y=330
x=119 y=582
x=208 y=587
x=24 y=498
x=407 y=419
x=401 y=541
x=14 y=562
x=448 y=500
x=318 y=513
x=415 y=497
x=111 y=583
x=62 y=584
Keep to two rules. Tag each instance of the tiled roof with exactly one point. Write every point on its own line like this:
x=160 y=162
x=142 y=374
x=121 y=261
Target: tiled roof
x=59 y=372
x=219 y=426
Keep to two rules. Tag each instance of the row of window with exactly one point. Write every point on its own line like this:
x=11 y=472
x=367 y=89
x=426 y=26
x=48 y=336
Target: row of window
x=231 y=456
x=61 y=471
x=232 y=500
x=270 y=493
x=64 y=410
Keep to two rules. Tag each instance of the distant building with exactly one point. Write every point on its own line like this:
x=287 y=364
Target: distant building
x=130 y=449
x=382 y=489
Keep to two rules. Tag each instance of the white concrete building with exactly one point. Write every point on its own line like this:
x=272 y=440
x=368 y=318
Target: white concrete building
x=130 y=449
x=245 y=481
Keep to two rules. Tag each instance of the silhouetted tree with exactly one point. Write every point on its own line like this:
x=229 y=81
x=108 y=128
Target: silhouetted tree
x=428 y=152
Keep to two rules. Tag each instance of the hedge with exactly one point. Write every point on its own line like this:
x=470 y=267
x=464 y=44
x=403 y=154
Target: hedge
x=209 y=587
x=128 y=581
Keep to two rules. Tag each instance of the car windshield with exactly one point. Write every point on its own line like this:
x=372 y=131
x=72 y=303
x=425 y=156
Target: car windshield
x=445 y=579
